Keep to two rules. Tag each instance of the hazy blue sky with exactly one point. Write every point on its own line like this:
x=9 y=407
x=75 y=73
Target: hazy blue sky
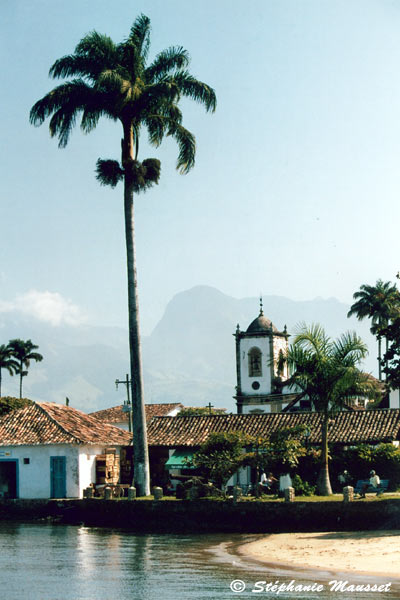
x=296 y=187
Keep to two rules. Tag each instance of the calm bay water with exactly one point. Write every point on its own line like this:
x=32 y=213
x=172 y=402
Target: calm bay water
x=62 y=562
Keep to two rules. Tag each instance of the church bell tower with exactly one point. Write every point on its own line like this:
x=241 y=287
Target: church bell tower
x=260 y=367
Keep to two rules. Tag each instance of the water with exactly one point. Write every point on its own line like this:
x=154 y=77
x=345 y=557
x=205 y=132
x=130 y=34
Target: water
x=62 y=562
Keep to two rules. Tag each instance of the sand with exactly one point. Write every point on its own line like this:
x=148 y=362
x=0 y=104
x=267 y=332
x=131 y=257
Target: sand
x=372 y=552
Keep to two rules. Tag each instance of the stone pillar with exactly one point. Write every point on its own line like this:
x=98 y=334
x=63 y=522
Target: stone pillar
x=237 y=492
x=289 y=494
x=88 y=492
x=157 y=493
x=348 y=494
x=107 y=493
x=193 y=492
x=131 y=493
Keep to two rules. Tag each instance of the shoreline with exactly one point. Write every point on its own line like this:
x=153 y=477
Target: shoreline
x=351 y=553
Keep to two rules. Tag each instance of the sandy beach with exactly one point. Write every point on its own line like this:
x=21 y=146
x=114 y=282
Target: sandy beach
x=372 y=552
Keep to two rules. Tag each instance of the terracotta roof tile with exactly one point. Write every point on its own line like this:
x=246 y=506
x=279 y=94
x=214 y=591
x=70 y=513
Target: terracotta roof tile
x=50 y=423
x=368 y=426
x=116 y=414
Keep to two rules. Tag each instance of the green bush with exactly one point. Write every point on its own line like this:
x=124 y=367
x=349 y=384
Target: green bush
x=9 y=403
x=302 y=488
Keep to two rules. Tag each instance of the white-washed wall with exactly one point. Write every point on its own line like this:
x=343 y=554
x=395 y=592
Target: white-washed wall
x=265 y=380
x=34 y=478
x=87 y=466
x=394 y=399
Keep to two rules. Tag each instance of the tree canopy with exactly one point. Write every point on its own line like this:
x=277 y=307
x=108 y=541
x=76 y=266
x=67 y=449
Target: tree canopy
x=327 y=372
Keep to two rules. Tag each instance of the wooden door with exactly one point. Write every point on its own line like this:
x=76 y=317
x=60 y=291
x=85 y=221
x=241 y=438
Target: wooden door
x=58 y=479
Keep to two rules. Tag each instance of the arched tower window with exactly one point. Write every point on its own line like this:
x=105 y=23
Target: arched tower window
x=255 y=367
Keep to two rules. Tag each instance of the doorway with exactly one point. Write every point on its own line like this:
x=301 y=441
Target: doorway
x=58 y=480
x=8 y=478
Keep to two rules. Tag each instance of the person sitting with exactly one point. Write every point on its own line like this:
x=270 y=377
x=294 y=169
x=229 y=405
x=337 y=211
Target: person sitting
x=374 y=481
x=267 y=483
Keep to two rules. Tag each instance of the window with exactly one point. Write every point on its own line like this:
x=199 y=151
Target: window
x=27 y=461
x=255 y=368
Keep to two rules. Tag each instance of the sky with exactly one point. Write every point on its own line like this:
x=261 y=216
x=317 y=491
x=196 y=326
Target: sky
x=296 y=186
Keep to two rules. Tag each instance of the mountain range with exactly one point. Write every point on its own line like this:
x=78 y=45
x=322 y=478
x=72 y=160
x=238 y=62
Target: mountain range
x=189 y=356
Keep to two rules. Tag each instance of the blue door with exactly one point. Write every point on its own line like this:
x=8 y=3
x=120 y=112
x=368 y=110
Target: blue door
x=58 y=480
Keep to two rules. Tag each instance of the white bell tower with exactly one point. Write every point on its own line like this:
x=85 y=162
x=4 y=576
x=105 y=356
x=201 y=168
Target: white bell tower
x=260 y=368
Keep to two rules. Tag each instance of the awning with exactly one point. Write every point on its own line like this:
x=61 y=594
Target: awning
x=179 y=460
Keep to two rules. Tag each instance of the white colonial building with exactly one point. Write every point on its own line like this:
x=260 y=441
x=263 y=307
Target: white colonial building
x=48 y=450
x=261 y=371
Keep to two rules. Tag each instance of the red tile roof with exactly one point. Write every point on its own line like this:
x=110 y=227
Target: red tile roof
x=368 y=426
x=116 y=414
x=50 y=423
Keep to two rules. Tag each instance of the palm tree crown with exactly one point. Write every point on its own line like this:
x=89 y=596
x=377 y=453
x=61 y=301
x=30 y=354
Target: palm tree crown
x=7 y=361
x=24 y=353
x=113 y=80
x=326 y=371
x=376 y=303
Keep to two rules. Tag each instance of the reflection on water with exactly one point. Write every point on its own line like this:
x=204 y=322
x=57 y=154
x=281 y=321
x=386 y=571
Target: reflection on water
x=57 y=562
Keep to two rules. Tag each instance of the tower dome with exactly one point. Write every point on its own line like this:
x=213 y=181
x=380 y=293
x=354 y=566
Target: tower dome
x=261 y=324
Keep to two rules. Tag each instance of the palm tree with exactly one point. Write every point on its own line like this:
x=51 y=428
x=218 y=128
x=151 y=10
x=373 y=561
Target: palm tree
x=114 y=81
x=326 y=371
x=7 y=361
x=376 y=303
x=23 y=352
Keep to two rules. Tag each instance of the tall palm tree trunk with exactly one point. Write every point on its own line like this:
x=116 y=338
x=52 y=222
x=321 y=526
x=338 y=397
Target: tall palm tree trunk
x=21 y=374
x=379 y=358
x=141 y=457
x=323 y=484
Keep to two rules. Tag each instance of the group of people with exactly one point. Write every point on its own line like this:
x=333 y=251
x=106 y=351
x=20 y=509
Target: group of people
x=269 y=483
x=374 y=481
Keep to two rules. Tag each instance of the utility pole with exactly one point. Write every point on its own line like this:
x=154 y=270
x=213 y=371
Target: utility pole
x=127 y=406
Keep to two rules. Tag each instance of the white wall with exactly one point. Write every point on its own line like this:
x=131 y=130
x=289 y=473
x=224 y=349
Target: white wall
x=394 y=399
x=87 y=466
x=263 y=343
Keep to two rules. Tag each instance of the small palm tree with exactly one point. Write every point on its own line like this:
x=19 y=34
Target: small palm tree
x=7 y=362
x=376 y=303
x=23 y=352
x=114 y=81
x=326 y=371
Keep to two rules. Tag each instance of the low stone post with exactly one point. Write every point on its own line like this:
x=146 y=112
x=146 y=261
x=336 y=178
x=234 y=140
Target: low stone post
x=107 y=493
x=131 y=493
x=157 y=493
x=193 y=492
x=348 y=494
x=88 y=492
x=289 y=494
x=237 y=493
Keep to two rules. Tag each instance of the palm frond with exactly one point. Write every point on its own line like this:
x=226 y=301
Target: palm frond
x=153 y=169
x=109 y=172
x=349 y=349
x=187 y=147
x=144 y=175
x=312 y=337
x=170 y=59
x=100 y=49
x=139 y=35
x=196 y=90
